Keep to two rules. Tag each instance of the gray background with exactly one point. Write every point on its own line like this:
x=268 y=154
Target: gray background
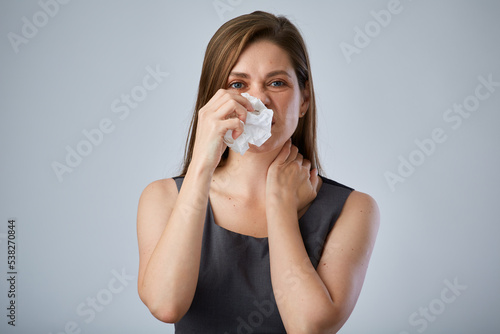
x=74 y=235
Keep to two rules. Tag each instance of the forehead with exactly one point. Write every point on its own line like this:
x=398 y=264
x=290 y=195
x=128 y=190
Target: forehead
x=263 y=56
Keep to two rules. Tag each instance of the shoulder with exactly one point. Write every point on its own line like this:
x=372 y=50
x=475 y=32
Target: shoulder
x=360 y=213
x=155 y=207
x=361 y=204
x=331 y=184
x=355 y=201
x=159 y=193
x=334 y=193
x=160 y=187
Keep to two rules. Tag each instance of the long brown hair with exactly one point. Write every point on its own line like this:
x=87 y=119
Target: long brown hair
x=221 y=55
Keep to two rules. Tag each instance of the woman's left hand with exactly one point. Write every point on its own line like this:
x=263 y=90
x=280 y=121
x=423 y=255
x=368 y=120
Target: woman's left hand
x=290 y=178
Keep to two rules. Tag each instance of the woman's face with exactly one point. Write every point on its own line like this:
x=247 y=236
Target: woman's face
x=265 y=71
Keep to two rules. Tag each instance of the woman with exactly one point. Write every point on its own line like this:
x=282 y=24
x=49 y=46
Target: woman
x=254 y=243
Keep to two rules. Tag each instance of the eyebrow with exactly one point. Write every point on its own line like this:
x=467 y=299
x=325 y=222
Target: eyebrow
x=270 y=74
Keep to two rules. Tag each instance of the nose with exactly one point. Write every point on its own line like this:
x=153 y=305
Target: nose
x=262 y=95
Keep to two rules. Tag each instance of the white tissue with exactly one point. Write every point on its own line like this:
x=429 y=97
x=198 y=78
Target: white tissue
x=256 y=129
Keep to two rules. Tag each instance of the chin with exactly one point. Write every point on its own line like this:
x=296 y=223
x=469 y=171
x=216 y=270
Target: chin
x=268 y=146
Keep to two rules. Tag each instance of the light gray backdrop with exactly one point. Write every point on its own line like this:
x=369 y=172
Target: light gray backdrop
x=96 y=98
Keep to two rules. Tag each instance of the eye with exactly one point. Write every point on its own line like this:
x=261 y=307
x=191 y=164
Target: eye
x=236 y=85
x=277 y=83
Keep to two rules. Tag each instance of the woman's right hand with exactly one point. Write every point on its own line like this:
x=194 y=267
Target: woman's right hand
x=226 y=110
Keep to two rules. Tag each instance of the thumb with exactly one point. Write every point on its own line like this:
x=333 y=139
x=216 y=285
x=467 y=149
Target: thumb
x=284 y=153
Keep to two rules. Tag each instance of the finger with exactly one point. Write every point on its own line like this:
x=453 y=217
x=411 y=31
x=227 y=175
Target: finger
x=284 y=153
x=243 y=101
x=294 y=151
x=306 y=164
x=314 y=177
x=233 y=124
x=299 y=158
x=215 y=101
x=231 y=107
x=226 y=95
x=239 y=130
x=221 y=97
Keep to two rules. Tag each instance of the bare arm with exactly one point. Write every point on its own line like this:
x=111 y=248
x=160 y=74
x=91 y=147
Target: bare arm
x=170 y=229
x=170 y=224
x=309 y=300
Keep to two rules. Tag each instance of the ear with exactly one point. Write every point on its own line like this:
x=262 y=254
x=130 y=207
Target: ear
x=306 y=96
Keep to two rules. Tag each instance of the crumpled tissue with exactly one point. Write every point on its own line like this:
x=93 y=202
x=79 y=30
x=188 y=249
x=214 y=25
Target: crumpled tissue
x=256 y=129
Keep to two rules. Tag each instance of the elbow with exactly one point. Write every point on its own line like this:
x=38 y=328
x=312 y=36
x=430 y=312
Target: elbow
x=326 y=322
x=165 y=314
x=163 y=311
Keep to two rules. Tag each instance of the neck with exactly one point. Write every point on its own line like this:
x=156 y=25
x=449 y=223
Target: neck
x=247 y=174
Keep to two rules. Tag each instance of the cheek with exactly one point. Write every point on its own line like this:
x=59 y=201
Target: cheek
x=287 y=108
x=293 y=108
x=291 y=119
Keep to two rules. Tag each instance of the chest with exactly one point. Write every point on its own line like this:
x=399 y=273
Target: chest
x=247 y=217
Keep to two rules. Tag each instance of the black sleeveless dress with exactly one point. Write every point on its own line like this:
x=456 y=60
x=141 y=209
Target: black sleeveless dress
x=234 y=292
